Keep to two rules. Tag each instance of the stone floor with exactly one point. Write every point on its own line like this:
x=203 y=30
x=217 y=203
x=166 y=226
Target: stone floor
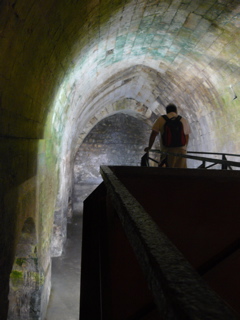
x=65 y=293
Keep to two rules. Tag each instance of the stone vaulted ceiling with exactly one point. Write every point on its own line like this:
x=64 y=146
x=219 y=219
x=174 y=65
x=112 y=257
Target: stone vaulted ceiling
x=66 y=64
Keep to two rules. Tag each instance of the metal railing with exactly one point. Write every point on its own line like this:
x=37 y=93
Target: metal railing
x=223 y=162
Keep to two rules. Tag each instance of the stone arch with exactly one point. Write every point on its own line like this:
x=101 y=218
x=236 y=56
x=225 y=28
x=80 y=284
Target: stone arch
x=117 y=139
x=63 y=211
x=146 y=91
x=128 y=106
x=26 y=278
x=143 y=91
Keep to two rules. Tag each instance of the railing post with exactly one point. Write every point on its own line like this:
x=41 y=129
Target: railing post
x=203 y=165
x=224 y=166
x=145 y=160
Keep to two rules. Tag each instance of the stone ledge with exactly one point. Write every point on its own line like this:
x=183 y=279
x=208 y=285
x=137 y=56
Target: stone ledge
x=177 y=288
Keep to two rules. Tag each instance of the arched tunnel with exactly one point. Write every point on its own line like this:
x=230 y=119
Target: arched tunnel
x=81 y=83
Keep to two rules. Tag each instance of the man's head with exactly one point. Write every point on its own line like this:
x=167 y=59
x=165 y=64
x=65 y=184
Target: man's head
x=171 y=108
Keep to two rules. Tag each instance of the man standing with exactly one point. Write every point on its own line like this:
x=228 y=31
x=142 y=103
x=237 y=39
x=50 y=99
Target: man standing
x=162 y=125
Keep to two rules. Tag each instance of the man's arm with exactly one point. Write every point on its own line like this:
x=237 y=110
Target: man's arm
x=151 y=140
x=187 y=139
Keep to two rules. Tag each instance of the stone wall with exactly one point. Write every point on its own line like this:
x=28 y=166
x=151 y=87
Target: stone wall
x=61 y=65
x=119 y=139
x=25 y=173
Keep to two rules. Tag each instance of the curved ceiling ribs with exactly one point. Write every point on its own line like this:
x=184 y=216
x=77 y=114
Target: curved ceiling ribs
x=164 y=51
x=65 y=65
x=89 y=55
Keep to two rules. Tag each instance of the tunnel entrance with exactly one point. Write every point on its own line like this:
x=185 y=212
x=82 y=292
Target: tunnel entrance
x=116 y=140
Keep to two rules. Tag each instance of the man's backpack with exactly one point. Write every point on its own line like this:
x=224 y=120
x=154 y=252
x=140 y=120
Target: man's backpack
x=173 y=135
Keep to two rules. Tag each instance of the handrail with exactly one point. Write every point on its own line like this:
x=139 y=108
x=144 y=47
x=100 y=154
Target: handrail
x=224 y=162
x=215 y=153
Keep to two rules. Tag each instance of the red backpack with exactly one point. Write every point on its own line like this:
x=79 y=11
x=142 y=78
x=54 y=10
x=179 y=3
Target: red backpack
x=173 y=135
